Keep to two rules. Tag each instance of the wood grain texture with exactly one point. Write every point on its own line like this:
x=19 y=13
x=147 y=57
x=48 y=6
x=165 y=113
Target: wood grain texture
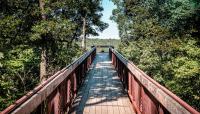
x=102 y=92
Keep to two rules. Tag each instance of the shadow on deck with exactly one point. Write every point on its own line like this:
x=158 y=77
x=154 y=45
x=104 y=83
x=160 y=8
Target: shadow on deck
x=102 y=91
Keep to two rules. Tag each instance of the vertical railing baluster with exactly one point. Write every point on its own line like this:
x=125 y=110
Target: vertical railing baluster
x=56 y=94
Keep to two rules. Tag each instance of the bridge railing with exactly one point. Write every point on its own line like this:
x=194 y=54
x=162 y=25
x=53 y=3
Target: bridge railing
x=146 y=95
x=56 y=94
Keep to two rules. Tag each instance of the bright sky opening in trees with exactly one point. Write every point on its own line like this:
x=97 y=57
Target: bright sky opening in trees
x=112 y=30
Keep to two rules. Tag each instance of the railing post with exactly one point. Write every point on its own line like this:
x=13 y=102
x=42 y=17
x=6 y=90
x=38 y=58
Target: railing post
x=56 y=94
x=147 y=96
x=68 y=93
x=74 y=83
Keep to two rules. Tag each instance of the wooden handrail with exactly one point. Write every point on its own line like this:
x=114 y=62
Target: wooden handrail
x=103 y=46
x=72 y=75
x=147 y=95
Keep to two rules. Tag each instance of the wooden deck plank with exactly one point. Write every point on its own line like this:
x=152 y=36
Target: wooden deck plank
x=86 y=110
x=128 y=110
x=92 y=110
x=98 y=109
x=110 y=110
x=122 y=110
x=102 y=92
x=116 y=110
x=104 y=109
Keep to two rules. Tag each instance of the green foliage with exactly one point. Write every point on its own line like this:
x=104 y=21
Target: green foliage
x=97 y=41
x=57 y=28
x=18 y=74
x=24 y=33
x=162 y=38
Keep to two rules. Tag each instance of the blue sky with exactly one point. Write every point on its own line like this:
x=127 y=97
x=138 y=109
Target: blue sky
x=112 y=30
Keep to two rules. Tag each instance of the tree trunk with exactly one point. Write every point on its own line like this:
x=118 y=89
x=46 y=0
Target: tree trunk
x=43 y=61
x=43 y=64
x=42 y=3
x=84 y=35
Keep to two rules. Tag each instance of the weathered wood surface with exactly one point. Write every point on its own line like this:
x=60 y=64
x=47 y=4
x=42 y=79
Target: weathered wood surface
x=102 y=92
x=147 y=95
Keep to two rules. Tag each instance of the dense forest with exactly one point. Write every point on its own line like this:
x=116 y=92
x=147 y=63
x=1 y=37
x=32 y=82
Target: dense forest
x=162 y=37
x=39 y=37
x=98 y=41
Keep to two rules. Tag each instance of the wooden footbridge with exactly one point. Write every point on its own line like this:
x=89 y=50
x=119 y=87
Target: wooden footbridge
x=100 y=83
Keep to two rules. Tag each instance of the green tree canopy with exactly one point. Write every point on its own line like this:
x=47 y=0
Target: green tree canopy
x=162 y=38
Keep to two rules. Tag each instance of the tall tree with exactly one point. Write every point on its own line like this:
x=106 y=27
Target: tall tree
x=90 y=14
x=84 y=34
x=37 y=39
x=21 y=28
x=43 y=62
x=160 y=36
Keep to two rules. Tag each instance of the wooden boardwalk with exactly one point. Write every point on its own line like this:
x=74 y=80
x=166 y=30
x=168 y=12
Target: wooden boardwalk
x=102 y=92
